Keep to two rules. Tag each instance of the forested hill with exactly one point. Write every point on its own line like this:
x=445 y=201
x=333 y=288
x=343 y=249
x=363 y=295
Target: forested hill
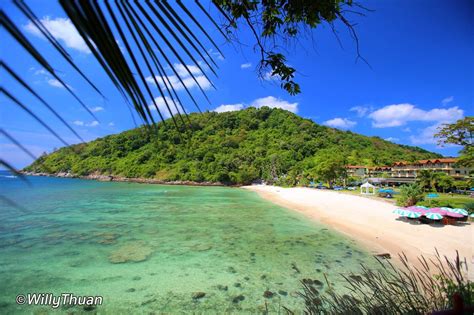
x=232 y=147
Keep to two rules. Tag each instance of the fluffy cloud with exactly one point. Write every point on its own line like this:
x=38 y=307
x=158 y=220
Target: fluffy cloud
x=185 y=77
x=360 y=110
x=268 y=76
x=216 y=54
x=94 y=123
x=160 y=102
x=447 y=100
x=392 y=139
x=341 y=123
x=274 y=102
x=245 y=65
x=96 y=109
x=63 y=30
x=426 y=136
x=228 y=108
x=399 y=114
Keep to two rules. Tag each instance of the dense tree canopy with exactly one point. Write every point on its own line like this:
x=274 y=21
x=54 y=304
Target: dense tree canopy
x=460 y=133
x=233 y=147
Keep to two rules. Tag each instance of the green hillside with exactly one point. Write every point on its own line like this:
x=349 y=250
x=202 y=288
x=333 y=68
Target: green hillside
x=233 y=147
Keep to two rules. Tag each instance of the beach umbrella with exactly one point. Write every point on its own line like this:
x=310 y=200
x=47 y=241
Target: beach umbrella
x=413 y=215
x=447 y=209
x=433 y=216
x=400 y=211
x=454 y=215
x=418 y=209
x=459 y=211
x=438 y=210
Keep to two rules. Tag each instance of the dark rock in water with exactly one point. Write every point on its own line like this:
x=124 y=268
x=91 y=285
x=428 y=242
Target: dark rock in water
x=268 y=294
x=238 y=298
x=198 y=295
x=247 y=278
x=237 y=285
x=131 y=290
x=89 y=308
x=293 y=266
x=281 y=292
x=231 y=270
x=263 y=277
x=222 y=287
x=148 y=302
x=252 y=254
x=384 y=256
x=136 y=278
x=318 y=270
x=338 y=261
x=307 y=281
x=318 y=283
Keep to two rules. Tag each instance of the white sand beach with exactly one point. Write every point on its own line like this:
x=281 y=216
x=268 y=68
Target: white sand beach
x=372 y=223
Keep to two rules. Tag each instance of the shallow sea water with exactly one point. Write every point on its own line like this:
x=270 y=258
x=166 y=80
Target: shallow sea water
x=149 y=248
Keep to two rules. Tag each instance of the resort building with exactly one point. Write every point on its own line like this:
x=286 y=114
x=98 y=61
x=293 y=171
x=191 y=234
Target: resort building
x=356 y=170
x=403 y=172
x=411 y=169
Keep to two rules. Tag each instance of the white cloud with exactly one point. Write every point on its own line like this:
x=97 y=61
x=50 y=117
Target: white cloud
x=426 y=135
x=406 y=129
x=63 y=30
x=228 y=108
x=341 y=123
x=245 y=65
x=360 y=110
x=93 y=123
x=392 y=139
x=41 y=72
x=447 y=100
x=268 y=76
x=216 y=54
x=96 y=109
x=55 y=83
x=111 y=124
x=274 y=102
x=188 y=81
x=160 y=102
x=399 y=114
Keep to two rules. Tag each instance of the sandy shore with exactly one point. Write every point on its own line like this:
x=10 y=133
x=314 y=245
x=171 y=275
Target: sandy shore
x=372 y=223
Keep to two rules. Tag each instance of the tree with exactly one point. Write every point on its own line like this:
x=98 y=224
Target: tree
x=427 y=179
x=410 y=195
x=444 y=182
x=459 y=133
x=329 y=166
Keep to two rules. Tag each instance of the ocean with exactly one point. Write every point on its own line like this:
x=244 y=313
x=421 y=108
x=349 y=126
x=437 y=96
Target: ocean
x=161 y=249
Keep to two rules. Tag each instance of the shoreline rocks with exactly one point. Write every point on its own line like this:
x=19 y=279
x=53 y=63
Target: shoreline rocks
x=113 y=178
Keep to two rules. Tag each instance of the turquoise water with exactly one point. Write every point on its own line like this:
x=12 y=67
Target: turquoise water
x=150 y=248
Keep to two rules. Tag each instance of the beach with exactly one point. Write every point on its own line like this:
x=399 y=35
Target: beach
x=372 y=224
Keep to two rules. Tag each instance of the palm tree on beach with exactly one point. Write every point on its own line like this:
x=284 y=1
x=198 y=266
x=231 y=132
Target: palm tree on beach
x=427 y=179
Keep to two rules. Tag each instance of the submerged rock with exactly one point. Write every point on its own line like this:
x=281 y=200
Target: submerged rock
x=238 y=298
x=222 y=287
x=237 y=285
x=131 y=252
x=198 y=295
x=281 y=292
x=268 y=294
x=130 y=290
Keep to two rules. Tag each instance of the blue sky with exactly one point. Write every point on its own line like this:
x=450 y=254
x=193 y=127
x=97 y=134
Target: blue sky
x=420 y=76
